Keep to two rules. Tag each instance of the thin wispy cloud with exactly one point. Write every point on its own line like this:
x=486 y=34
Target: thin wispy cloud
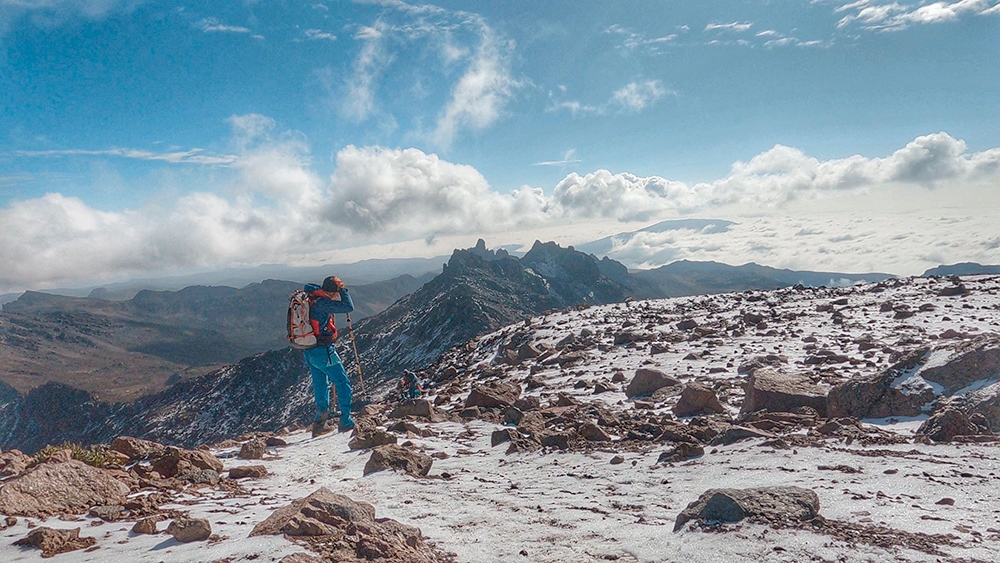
x=212 y=25
x=568 y=158
x=481 y=93
x=634 y=97
x=894 y=16
x=318 y=34
x=192 y=156
x=634 y=41
x=737 y=27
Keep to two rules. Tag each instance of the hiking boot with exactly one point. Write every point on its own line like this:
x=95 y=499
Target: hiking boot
x=319 y=425
x=345 y=425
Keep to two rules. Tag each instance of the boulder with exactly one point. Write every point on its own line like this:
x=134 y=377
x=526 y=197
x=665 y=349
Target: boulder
x=348 y=531
x=14 y=463
x=109 y=513
x=682 y=451
x=136 y=448
x=146 y=526
x=771 y=390
x=697 y=399
x=770 y=360
x=186 y=530
x=53 y=542
x=248 y=471
x=593 y=433
x=943 y=426
x=72 y=487
x=253 y=449
x=367 y=436
x=421 y=408
x=964 y=364
x=771 y=504
x=498 y=395
x=877 y=396
x=399 y=458
x=174 y=461
x=646 y=381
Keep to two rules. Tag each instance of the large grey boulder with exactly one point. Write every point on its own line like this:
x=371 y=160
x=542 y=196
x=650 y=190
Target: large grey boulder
x=772 y=504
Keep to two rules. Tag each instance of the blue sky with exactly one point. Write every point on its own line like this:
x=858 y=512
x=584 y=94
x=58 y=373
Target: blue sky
x=141 y=136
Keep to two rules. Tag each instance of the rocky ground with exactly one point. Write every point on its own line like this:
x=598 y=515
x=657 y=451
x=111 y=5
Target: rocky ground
x=852 y=424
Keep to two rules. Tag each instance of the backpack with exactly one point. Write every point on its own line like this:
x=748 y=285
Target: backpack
x=302 y=332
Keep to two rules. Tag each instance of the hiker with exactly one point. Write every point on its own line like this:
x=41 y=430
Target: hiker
x=324 y=363
x=409 y=385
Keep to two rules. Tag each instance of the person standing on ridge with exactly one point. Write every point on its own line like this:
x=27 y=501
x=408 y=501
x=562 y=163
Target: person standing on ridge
x=324 y=363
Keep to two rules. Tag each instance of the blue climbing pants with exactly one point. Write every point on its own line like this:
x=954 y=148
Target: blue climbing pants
x=325 y=366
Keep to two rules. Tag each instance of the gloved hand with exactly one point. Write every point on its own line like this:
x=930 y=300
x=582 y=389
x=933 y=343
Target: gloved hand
x=332 y=284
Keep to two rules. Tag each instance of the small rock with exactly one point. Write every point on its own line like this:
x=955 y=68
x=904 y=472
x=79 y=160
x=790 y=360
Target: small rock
x=186 y=530
x=146 y=526
x=253 y=449
x=248 y=471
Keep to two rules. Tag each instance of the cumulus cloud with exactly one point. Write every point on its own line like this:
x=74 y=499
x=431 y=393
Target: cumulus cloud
x=272 y=204
x=411 y=193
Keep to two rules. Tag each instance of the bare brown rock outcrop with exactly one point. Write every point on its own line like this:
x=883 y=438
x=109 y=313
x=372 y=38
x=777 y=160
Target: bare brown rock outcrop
x=770 y=504
x=347 y=530
x=771 y=390
x=71 y=487
x=53 y=542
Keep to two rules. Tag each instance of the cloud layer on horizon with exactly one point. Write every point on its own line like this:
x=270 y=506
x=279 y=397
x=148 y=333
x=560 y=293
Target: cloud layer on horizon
x=274 y=206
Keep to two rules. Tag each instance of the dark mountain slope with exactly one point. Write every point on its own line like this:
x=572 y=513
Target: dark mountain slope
x=481 y=290
x=684 y=278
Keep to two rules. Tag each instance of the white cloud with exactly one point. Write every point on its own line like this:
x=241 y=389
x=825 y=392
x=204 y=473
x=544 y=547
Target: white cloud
x=191 y=156
x=212 y=25
x=271 y=205
x=636 y=96
x=359 y=99
x=569 y=157
x=737 y=27
x=53 y=13
x=481 y=93
x=413 y=194
x=318 y=34
x=894 y=16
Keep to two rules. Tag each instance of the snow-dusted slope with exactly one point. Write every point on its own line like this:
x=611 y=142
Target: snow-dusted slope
x=889 y=498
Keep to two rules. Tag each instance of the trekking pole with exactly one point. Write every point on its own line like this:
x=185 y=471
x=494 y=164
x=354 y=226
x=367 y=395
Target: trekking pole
x=357 y=358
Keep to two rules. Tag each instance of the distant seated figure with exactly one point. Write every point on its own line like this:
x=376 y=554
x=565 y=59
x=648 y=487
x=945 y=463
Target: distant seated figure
x=409 y=385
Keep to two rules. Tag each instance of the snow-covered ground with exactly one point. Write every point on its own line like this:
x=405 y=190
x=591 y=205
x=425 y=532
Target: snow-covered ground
x=484 y=505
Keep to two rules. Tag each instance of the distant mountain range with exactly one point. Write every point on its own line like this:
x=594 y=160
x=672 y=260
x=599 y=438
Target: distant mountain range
x=358 y=273
x=127 y=349
x=143 y=339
